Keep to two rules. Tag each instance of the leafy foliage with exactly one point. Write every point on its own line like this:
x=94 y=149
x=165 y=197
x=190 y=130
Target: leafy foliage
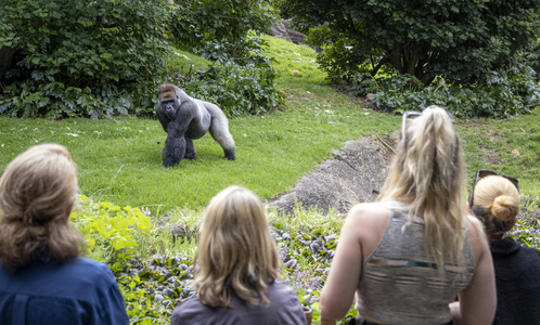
x=89 y=59
x=238 y=90
x=505 y=93
x=205 y=26
x=459 y=40
x=110 y=230
x=527 y=234
x=242 y=80
x=153 y=282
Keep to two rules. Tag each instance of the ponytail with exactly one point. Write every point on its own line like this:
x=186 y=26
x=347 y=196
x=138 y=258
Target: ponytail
x=428 y=170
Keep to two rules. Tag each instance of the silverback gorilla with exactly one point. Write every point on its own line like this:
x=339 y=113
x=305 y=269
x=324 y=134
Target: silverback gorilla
x=184 y=119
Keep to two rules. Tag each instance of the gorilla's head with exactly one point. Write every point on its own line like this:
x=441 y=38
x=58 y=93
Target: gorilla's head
x=168 y=100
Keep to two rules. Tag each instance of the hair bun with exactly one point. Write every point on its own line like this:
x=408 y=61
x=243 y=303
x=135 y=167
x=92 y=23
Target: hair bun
x=505 y=207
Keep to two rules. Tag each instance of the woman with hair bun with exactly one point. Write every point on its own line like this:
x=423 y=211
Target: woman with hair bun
x=42 y=278
x=404 y=258
x=237 y=263
x=495 y=201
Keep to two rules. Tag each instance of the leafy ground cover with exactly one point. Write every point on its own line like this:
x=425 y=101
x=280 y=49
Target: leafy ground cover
x=154 y=268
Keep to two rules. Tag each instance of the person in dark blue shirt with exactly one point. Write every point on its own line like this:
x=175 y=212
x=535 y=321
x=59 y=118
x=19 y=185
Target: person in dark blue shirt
x=42 y=278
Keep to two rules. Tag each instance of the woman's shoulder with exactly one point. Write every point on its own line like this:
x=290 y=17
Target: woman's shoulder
x=88 y=264
x=477 y=237
x=191 y=311
x=369 y=216
x=89 y=269
x=280 y=290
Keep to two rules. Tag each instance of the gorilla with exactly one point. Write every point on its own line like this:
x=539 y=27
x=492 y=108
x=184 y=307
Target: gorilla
x=184 y=119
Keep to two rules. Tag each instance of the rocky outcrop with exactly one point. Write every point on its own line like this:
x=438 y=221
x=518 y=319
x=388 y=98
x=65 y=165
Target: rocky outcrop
x=283 y=29
x=356 y=174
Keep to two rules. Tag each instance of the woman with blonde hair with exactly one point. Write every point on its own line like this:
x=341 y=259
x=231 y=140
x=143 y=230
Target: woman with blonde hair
x=407 y=256
x=42 y=278
x=237 y=264
x=495 y=201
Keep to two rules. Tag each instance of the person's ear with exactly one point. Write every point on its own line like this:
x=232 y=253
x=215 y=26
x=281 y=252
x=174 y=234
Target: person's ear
x=511 y=223
x=469 y=207
x=68 y=211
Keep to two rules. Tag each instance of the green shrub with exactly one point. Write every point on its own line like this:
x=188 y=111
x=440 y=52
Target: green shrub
x=110 y=231
x=90 y=59
x=125 y=239
x=238 y=90
x=200 y=25
x=505 y=93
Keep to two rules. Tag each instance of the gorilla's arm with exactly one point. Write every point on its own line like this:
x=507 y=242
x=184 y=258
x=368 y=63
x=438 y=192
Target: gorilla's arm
x=175 y=145
x=163 y=119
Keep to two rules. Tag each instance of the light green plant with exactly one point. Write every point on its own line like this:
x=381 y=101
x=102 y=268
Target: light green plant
x=110 y=231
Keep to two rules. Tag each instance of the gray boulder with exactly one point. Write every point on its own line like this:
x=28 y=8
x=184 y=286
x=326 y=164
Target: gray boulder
x=356 y=174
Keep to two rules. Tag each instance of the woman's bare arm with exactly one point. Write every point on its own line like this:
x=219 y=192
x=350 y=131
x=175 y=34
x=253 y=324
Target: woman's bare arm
x=477 y=302
x=359 y=235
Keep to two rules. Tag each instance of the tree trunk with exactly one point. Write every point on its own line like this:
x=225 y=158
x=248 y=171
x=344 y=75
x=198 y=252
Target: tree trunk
x=6 y=58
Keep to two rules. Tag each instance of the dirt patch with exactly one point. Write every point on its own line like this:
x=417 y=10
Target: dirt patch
x=490 y=156
x=356 y=174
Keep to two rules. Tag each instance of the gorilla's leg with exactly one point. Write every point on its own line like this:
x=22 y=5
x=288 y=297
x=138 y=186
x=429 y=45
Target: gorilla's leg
x=175 y=146
x=219 y=129
x=190 y=149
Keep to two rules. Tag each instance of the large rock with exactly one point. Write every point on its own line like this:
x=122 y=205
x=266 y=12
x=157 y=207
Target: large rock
x=283 y=29
x=355 y=175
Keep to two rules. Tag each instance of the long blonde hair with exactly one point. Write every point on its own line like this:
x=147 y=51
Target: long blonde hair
x=37 y=190
x=495 y=199
x=236 y=254
x=428 y=172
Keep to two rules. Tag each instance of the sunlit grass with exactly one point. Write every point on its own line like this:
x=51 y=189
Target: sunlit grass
x=120 y=160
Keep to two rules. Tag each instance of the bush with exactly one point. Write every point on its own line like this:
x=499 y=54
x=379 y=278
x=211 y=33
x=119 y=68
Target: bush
x=238 y=90
x=509 y=92
x=198 y=25
x=93 y=59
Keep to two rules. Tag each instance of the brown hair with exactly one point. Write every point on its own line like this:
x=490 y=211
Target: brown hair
x=236 y=254
x=37 y=191
x=428 y=171
x=496 y=202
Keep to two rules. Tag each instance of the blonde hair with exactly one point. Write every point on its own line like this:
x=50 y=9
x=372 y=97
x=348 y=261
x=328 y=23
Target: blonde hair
x=495 y=197
x=37 y=190
x=428 y=172
x=236 y=254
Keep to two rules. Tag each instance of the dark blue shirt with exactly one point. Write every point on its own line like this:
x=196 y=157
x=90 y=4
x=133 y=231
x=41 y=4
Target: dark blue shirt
x=80 y=291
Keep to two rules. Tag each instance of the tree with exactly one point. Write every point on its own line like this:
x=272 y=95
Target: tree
x=461 y=40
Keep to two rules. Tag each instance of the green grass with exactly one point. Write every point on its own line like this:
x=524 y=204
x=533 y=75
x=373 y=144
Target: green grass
x=510 y=146
x=296 y=64
x=185 y=62
x=120 y=159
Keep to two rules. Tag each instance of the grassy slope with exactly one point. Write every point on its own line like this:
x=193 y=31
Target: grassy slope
x=120 y=160
x=509 y=146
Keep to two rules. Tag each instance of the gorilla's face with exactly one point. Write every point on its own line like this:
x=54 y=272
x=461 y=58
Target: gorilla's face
x=170 y=107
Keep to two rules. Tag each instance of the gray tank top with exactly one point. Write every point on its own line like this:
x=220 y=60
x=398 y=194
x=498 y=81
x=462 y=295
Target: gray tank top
x=400 y=284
